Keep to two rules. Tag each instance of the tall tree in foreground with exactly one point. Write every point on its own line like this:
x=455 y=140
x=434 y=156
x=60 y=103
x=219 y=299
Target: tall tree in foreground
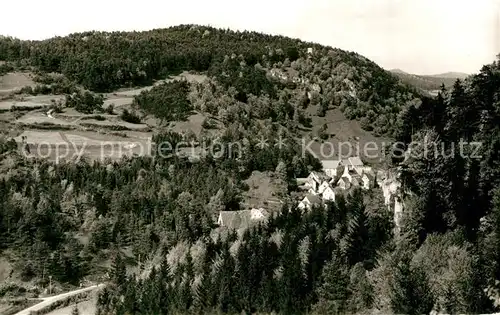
x=411 y=293
x=333 y=291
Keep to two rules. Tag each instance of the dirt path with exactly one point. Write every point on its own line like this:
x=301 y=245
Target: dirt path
x=52 y=299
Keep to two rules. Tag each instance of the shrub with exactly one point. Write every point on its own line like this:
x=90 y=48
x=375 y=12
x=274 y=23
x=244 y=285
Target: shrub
x=85 y=102
x=130 y=117
x=166 y=101
x=208 y=123
x=110 y=109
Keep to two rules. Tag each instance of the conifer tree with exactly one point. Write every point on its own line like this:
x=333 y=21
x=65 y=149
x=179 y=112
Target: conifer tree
x=411 y=293
x=118 y=270
x=357 y=231
x=333 y=291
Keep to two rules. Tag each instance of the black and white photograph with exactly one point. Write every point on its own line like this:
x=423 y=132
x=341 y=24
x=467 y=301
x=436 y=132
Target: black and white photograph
x=301 y=157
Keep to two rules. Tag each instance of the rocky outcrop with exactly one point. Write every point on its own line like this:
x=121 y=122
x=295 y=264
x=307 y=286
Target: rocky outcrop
x=393 y=197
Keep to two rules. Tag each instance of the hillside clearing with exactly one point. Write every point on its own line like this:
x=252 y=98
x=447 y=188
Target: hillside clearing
x=41 y=117
x=193 y=123
x=262 y=190
x=14 y=81
x=57 y=145
x=185 y=75
x=118 y=102
x=345 y=136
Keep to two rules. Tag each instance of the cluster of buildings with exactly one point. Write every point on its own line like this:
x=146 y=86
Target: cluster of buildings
x=338 y=176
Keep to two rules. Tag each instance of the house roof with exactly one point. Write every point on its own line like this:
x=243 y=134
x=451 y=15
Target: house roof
x=313 y=199
x=345 y=180
x=355 y=161
x=356 y=179
x=369 y=175
x=242 y=219
x=329 y=187
x=321 y=176
x=330 y=164
x=356 y=176
x=325 y=182
x=352 y=172
x=381 y=174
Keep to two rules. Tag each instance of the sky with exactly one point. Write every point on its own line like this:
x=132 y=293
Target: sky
x=417 y=36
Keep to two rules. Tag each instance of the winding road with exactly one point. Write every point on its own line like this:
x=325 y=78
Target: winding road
x=47 y=301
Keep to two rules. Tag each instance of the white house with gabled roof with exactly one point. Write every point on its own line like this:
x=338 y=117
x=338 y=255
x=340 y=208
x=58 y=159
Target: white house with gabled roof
x=309 y=202
x=328 y=194
x=354 y=164
x=330 y=167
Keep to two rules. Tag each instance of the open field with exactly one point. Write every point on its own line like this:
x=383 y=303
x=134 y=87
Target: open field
x=41 y=117
x=75 y=120
x=346 y=136
x=74 y=145
x=34 y=137
x=131 y=92
x=118 y=102
x=262 y=191
x=192 y=123
x=190 y=77
x=109 y=124
x=14 y=81
x=30 y=101
x=44 y=99
x=7 y=105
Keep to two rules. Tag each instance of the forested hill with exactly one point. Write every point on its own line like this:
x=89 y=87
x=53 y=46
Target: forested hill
x=146 y=225
x=103 y=61
x=429 y=82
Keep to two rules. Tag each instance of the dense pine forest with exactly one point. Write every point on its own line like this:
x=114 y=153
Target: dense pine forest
x=152 y=218
x=102 y=62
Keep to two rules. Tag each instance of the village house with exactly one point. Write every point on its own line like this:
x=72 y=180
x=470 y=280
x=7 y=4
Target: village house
x=354 y=164
x=309 y=202
x=323 y=186
x=337 y=175
x=356 y=180
x=314 y=180
x=381 y=177
x=328 y=194
x=344 y=183
x=368 y=180
x=331 y=167
x=242 y=219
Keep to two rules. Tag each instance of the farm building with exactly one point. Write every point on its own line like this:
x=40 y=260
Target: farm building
x=354 y=164
x=242 y=219
x=309 y=202
x=331 y=167
x=344 y=183
x=328 y=194
x=315 y=179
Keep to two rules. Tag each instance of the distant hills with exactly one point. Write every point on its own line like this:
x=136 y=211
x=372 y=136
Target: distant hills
x=429 y=82
x=451 y=75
